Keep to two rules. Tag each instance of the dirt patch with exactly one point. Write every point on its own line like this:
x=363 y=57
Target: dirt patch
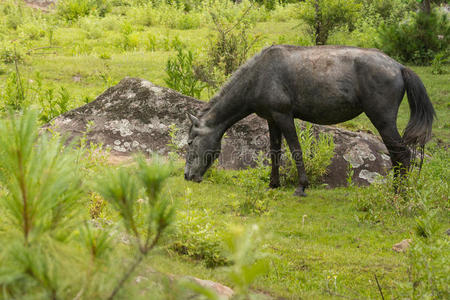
x=44 y=5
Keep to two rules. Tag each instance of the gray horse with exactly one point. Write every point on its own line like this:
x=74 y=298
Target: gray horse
x=322 y=85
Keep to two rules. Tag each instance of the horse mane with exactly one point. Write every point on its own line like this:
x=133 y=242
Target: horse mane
x=231 y=82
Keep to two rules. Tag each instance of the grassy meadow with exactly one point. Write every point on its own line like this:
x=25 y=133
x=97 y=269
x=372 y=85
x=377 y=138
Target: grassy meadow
x=335 y=243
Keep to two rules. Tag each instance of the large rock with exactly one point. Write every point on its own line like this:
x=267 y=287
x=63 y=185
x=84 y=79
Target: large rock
x=136 y=115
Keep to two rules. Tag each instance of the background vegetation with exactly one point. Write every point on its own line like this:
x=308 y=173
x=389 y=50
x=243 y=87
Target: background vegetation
x=75 y=227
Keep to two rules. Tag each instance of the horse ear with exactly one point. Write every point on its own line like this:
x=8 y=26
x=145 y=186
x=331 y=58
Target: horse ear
x=194 y=120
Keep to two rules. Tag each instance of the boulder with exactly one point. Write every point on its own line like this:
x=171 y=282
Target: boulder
x=137 y=116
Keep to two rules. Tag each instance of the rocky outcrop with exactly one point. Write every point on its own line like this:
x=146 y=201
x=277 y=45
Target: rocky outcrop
x=136 y=115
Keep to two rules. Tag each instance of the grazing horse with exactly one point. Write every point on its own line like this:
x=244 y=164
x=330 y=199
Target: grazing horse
x=323 y=85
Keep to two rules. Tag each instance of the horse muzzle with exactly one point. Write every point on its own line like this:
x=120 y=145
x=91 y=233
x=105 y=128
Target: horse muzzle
x=192 y=177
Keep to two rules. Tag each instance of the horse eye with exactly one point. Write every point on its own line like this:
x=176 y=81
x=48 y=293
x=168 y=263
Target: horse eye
x=189 y=142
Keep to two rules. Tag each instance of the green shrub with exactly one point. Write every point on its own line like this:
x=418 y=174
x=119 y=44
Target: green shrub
x=181 y=75
x=438 y=63
x=364 y=33
x=32 y=31
x=198 y=237
x=72 y=10
x=51 y=104
x=417 y=39
x=254 y=181
x=389 y=10
x=232 y=44
x=323 y=16
x=14 y=94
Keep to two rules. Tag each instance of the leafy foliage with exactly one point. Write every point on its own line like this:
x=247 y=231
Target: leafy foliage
x=71 y=10
x=41 y=206
x=181 y=74
x=196 y=236
x=417 y=39
x=325 y=15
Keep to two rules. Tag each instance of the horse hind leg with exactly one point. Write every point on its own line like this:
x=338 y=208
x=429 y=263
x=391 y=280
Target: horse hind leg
x=398 y=151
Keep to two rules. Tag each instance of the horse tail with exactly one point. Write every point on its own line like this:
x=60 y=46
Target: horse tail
x=418 y=130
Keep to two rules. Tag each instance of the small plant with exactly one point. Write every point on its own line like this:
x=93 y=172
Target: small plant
x=196 y=236
x=14 y=93
x=254 y=181
x=438 y=63
x=181 y=74
x=173 y=145
x=350 y=173
x=52 y=105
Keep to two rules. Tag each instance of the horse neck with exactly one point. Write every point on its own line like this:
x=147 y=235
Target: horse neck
x=226 y=111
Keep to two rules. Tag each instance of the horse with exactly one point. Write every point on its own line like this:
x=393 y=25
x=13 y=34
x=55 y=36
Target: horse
x=318 y=84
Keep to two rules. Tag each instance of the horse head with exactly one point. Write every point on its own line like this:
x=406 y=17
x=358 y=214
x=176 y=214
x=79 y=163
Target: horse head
x=203 y=149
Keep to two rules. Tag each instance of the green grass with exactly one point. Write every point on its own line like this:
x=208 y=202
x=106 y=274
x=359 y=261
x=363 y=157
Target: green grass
x=310 y=241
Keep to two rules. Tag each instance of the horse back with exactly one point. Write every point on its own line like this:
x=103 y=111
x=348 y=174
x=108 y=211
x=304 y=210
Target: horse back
x=327 y=84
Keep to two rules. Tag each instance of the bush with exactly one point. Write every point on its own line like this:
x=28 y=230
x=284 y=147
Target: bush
x=14 y=94
x=229 y=48
x=438 y=63
x=418 y=39
x=197 y=236
x=323 y=16
x=232 y=45
x=72 y=10
x=389 y=10
x=181 y=74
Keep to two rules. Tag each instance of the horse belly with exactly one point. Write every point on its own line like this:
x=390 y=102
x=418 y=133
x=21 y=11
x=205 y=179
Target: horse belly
x=327 y=105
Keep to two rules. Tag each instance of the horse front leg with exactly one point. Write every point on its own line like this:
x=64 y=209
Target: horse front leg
x=275 y=154
x=287 y=127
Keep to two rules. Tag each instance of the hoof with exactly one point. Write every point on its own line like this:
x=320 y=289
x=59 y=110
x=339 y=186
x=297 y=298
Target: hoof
x=300 y=192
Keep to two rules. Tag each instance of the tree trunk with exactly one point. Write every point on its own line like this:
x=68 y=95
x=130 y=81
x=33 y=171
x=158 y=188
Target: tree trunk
x=426 y=6
x=318 y=26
